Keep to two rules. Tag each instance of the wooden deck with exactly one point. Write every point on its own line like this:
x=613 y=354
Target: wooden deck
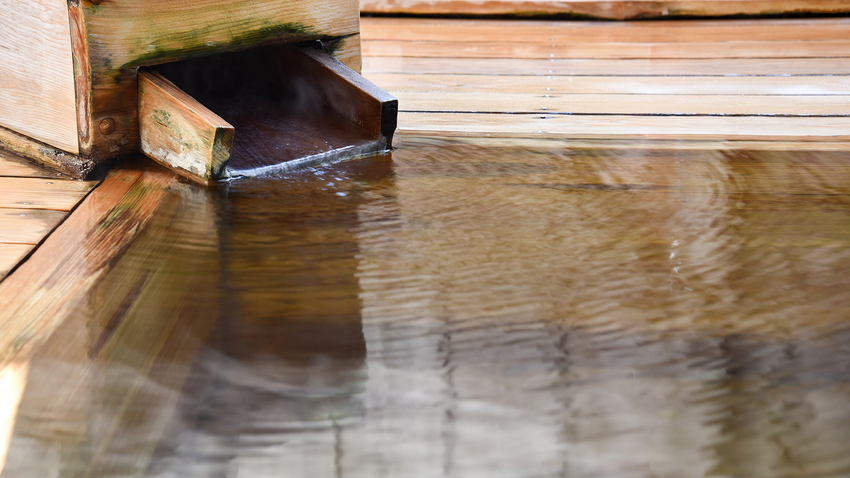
x=751 y=80
x=768 y=84
x=607 y=9
x=33 y=202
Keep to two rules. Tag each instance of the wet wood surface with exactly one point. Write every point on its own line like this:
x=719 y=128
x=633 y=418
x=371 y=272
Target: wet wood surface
x=761 y=79
x=607 y=9
x=295 y=106
x=33 y=201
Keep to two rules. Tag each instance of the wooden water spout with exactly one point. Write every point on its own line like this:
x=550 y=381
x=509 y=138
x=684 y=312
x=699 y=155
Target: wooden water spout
x=81 y=90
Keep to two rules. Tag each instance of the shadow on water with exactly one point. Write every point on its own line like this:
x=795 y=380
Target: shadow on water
x=466 y=309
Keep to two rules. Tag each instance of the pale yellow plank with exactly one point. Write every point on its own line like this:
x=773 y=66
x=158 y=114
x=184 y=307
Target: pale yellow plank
x=708 y=49
x=595 y=67
x=621 y=127
x=36 y=72
x=646 y=85
x=523 y=31
x=11 y=255
x=37 y=193
x=412 y=140
x=625 y=104
x=27 y=226
x=618 y=10
x=13 y=166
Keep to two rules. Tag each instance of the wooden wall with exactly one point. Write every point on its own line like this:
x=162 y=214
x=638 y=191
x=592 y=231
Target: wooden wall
x=36 y=72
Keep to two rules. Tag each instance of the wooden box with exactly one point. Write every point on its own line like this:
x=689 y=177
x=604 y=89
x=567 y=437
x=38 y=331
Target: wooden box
x=73 y=75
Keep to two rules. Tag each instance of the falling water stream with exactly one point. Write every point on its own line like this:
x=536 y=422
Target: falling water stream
x=467 y=308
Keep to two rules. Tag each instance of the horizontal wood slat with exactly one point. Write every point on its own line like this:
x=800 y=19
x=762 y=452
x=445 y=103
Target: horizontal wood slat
x=27 y=226
x=534 y=31
x=626 y=104
x=647 y=85
x=596 y=67
x=36 y=193
x=607 y=9
x=622 y=126
x=626 y=50
x=11 y=255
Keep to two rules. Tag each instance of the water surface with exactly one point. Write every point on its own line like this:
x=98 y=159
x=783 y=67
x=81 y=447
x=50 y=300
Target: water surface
x=466 y=308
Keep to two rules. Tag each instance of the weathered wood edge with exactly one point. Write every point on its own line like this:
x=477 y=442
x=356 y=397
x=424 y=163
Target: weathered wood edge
x=153 y=83
x=605 y=9
x=82 y=78
x=353 y=96
x=45 y=155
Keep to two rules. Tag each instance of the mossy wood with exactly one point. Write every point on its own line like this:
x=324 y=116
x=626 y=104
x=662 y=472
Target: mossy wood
x=70 y=95
x=179 y=132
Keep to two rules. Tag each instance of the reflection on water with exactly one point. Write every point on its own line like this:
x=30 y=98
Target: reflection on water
x=460 y=309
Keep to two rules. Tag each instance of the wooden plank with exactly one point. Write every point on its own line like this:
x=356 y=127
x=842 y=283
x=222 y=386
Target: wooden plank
x=296 y=108
x=623 y=127
x=179 y=132
x=608 y=9
x=594 y=67
x=626 y=104
x=11 y=255
x=45 y=155
x=123 y=297
x=37 y=193
x=349 y=95
x=626 y=50
x=525 y=31
x=639 y=85
x=15 y=166
x=27 y=226
x=37 y=97
x=103 y=224
x=119 y=36
x=414 y=140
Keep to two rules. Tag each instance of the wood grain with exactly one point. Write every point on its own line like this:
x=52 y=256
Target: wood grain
x=294 y=108
x=608 y=9
x=119 y=36
x=638 y=85
x=625 y=104
x=632 y=127
x=415 y=140
x=11 y=255
x=14 y=166
x=609 y=50
x=696 y=80
x=607 y=67
x=179 y=132
x=101 y=226
x=668 y=31
x=349 y=95
x=45 y=155
x=37 y=97
x=27 y=226
x=37 y=193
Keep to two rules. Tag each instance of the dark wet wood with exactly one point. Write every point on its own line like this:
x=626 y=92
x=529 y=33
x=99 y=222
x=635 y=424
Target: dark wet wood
x=125 y=288
x=285 y=104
